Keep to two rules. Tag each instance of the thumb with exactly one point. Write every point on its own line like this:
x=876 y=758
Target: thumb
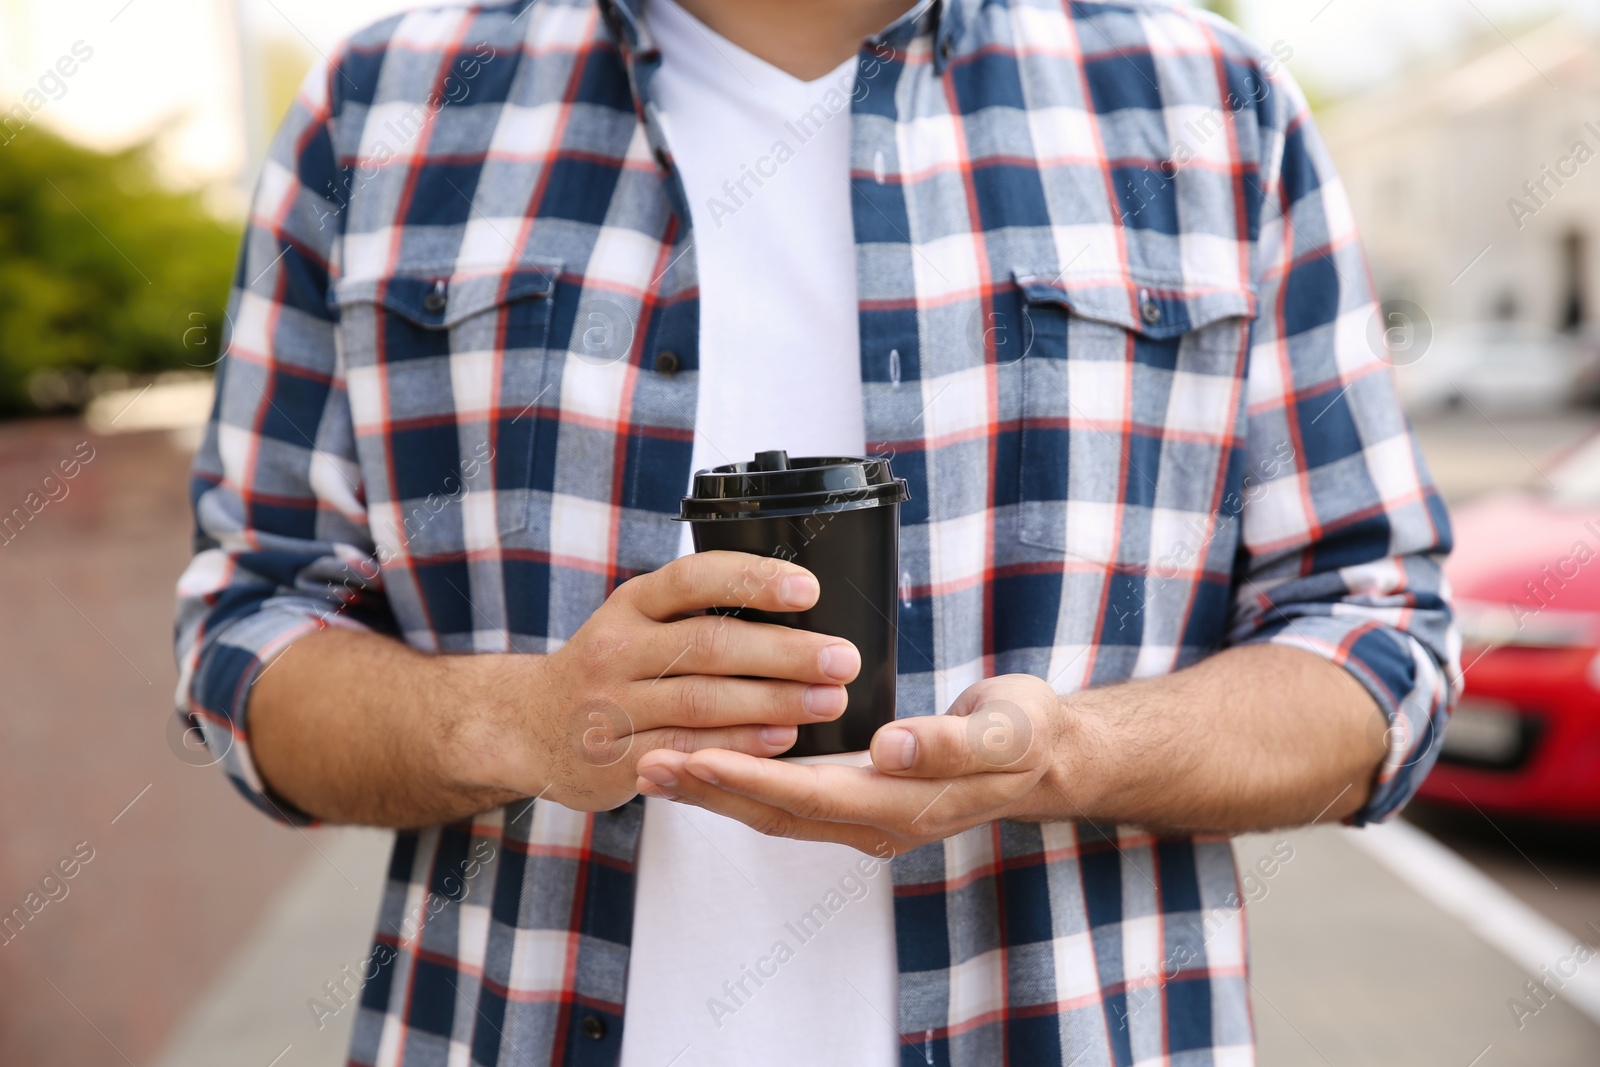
x=997 y=725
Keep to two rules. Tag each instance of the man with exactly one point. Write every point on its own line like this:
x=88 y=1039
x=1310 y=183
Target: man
x=1171 y=560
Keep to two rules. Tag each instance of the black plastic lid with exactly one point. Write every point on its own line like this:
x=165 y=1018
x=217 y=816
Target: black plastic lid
x=773 y=484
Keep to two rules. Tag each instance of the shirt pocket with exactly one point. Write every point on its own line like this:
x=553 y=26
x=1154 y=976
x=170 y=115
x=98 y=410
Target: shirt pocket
x=446 y=369
x=1132 y=401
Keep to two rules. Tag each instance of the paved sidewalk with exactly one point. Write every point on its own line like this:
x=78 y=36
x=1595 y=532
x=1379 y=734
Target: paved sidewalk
x=256 y=1013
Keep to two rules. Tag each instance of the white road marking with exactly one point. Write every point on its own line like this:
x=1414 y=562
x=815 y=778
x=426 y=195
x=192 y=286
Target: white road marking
x=1504 y=922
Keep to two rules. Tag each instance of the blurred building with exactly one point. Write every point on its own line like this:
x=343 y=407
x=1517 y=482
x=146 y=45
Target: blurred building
x=1477 y=183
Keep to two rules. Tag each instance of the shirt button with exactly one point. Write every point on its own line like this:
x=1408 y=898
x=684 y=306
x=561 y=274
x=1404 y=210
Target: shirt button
x=1150 y=312
x=435 y=300
x=946 y=48
x=663 y=159
x=594 y=1027
x=667 y=363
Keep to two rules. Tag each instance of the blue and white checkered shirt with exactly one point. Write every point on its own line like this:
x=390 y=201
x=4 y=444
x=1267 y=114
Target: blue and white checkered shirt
x=1114 y=323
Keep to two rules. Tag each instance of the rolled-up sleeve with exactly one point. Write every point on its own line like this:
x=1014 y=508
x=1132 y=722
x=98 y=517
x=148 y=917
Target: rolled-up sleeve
x=282 y=547
x=1343 y=533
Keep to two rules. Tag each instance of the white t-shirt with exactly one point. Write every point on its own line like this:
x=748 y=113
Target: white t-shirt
x=749 y=949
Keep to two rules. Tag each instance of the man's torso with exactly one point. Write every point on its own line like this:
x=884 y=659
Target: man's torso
x=1054 y=331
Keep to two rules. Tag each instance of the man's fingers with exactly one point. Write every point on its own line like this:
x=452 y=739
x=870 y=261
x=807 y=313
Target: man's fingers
x=1008 y=724
x=825 y=792
x=717 y=644
x=930 y=746
x=701 y=701
x=997 y=736
x=665 y=775
x=704 y=580
x=758 y=741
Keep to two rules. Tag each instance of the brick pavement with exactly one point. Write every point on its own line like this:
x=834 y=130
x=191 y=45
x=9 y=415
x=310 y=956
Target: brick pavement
x=86 y=682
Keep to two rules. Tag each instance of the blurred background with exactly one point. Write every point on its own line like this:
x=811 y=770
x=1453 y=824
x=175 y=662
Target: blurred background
x=192 y=932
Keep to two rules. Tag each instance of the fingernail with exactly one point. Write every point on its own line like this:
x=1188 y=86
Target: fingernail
x=799 y=590
x=660 y=776
x=895 y=750
x=824 y=701
x=840 y=661
x=777 y=736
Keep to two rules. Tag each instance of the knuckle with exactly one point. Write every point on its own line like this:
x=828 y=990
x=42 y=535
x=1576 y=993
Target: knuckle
x=768 y=568
x=947 y=754
x=801 y=651
x=813 y=805
x=684 y=576
x=806 y=808
x=769 y=572
x=678 y=739
x=630 y=591
x=774 y=823
x=713 y=638
x=697 y=701
x=744 y=584
x=786 y=700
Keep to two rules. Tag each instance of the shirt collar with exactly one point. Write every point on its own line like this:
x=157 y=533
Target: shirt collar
x=946 y=18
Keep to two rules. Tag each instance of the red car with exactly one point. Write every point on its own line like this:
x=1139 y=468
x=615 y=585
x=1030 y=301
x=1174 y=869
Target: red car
x=1525 y=739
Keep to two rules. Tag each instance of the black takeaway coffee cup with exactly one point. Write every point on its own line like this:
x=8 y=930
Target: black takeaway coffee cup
x=839 y=518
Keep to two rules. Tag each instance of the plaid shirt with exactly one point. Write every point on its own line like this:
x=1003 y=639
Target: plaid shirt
x=1115 y=332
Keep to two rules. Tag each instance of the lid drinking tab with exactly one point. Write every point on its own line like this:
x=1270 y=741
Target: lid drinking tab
x=771 y=461
x=775 y=484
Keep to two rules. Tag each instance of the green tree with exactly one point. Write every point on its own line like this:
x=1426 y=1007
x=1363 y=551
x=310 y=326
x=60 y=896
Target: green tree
x=100 y=267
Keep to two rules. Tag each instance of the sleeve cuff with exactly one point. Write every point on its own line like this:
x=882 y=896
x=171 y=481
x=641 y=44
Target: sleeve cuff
x=219 y=696
x=1405 y=681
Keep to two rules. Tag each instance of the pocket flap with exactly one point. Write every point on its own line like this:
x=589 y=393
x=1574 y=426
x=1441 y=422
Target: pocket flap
x=1157 y=311
x=438 y=300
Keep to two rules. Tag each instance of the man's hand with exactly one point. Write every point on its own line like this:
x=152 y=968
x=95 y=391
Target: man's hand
x=1251 y=738
x=932 y=777
x=357 y=727
x=647 y=673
